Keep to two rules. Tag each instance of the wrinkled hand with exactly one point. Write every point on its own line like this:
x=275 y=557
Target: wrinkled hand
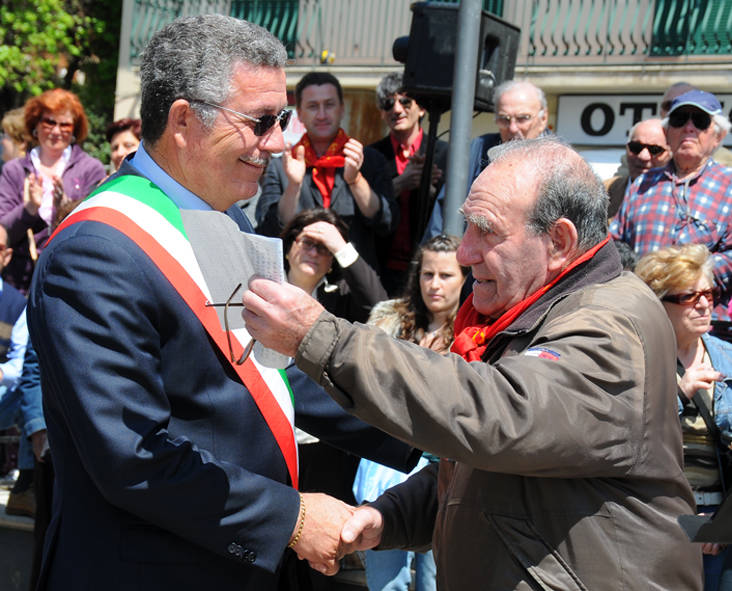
x=353 y=152
x=32 y=193
x=320 y=540
x=279 y=315
x=293 y=163
x=325 y=233
x=363 y=530
x=698 y=378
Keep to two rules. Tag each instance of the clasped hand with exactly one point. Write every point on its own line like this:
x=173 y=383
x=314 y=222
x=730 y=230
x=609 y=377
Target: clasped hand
x=332 y=529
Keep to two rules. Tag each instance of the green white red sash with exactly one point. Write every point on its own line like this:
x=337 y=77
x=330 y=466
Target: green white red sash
x=142 y=212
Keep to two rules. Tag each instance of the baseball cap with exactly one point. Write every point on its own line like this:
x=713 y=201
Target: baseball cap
x=705 y=101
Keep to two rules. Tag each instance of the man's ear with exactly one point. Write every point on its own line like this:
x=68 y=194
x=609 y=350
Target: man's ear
x=563 y=244
x=180 y=122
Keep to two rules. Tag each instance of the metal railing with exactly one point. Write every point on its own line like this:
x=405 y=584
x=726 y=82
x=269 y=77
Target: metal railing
x=149 y=16
x=591 y=31
x=566 y=32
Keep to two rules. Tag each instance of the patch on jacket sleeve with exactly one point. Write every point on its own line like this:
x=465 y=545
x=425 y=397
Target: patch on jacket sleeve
x=542 y=352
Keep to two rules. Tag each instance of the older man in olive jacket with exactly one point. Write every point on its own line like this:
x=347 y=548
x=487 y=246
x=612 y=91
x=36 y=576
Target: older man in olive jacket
x=558 y=406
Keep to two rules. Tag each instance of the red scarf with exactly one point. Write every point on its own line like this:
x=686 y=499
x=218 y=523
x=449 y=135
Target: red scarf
x=472 y=331
x=324 y=167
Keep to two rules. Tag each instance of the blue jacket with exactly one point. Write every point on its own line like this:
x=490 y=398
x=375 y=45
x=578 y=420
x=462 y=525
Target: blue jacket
x=720 y=354
x=167 y=476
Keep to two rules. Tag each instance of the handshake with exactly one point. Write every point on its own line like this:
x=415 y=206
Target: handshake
x=327 y=529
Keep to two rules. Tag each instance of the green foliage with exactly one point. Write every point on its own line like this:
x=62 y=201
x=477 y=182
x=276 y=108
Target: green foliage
x=62 y=43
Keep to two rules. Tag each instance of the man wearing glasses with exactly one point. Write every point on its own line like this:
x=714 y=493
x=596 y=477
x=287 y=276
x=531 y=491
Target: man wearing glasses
x=174 y=452
x=646 y=149
x=328 y=169
x=404 y=150
x=521 y=114
x=688 y=201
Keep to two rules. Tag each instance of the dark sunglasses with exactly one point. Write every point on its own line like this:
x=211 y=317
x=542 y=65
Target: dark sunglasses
x=388 y=104
x=700 y=119
x=638 y=147
x=307 y=244
x=261 y=124
x=691 y=299
x=49 y=124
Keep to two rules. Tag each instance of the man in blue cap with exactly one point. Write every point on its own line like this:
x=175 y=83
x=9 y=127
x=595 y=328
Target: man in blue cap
x=688 y=200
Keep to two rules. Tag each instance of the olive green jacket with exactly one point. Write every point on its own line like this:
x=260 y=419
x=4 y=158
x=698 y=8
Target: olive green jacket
x=566 y=438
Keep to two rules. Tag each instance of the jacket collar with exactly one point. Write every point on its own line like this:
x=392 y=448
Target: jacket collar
x=601 y=268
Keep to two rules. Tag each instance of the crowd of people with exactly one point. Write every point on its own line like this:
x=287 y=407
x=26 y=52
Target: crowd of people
x=515 y=393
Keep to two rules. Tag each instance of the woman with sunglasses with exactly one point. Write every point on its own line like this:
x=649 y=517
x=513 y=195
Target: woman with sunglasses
x=55 y=172
x=681 y=276
x=320 y=260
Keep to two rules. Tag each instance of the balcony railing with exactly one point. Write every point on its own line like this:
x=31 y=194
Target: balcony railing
x=553 y=32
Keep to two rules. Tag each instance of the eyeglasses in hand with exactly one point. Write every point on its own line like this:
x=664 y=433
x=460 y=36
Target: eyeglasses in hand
x=227 y=305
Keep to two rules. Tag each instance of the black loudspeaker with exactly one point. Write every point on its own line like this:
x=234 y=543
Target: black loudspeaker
x=428 y=55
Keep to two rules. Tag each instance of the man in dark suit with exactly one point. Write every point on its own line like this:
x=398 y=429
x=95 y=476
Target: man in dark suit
x=328 y=169
x=175 y=456
x=404 y=149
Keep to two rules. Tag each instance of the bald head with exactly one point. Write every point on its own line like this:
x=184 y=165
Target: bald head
x=530 y=213
x=646 y=147
x=567 y=187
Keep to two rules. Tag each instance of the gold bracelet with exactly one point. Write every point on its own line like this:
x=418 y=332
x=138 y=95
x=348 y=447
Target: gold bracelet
x=296 y=539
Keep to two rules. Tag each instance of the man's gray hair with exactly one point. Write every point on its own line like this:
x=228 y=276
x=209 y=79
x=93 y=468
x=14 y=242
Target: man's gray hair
x=509 y=85
x=193 y=58
x=567 y=187
x=388 y=86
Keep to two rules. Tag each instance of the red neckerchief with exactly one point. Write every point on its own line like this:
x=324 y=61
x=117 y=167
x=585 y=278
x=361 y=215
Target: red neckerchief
x=400 y=252
x=472 y=331
x=324 y=167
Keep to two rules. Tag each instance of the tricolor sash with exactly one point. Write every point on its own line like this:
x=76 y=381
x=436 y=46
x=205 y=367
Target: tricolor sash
x=141 y=211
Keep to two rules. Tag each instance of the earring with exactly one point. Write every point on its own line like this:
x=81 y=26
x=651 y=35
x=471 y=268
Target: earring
x=73 y=139
x=35 y=133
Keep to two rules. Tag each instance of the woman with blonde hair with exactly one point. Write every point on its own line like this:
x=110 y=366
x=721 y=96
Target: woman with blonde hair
x=54 y=172
x=681 y=276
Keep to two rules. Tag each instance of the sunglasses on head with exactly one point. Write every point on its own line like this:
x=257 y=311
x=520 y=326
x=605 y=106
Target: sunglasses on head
x=261 y=124
x=691 y=299
x=388 y=103
x=637 y=147
x=700 y=119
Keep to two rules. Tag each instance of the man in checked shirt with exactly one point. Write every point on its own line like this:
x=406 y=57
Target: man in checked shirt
x=690 y=199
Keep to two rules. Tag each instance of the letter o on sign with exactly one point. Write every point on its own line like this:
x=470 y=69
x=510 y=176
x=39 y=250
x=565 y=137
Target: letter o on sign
x=607 y=115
